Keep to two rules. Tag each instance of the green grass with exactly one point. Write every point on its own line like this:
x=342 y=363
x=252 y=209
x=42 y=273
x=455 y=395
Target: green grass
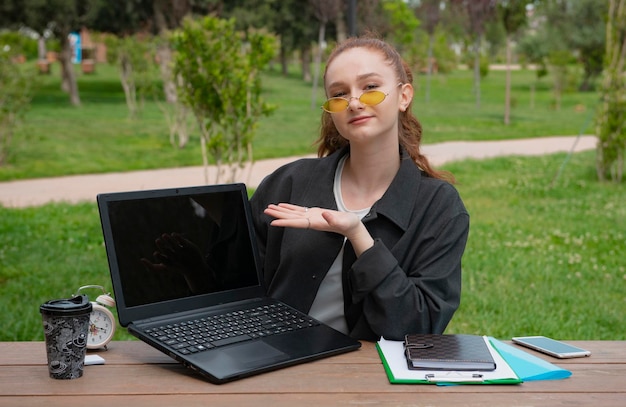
x=58 y=139
x=452 y=114
x=539 y=260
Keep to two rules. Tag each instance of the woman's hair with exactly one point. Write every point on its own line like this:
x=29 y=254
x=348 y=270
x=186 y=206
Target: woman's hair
x=410 y=129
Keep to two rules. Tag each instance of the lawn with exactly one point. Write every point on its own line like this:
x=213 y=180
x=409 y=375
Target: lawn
x=58 y=139
x=540 y=259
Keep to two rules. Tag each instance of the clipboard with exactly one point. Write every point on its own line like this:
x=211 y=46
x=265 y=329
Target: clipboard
x=393 y=359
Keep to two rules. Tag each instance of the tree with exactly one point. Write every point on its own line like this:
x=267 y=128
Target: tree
x=513 y=16
x=404 y=34
x=404 y=23
x=534 y=50
x=430 y=13
x=249 y=14
x=290 y=20
x=371 y=17
x=62 y=17
x=588 y=37
x=151 y=17
x=566 y=33
x=134 y=56
x=166 y=15
x=554 y=37
x=324 y=11
x=139 y=30
x=611 y=116
x=248 y=106
x=219 y=82
x=478 y=13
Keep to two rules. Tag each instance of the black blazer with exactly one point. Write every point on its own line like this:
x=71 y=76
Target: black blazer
x=408 y=282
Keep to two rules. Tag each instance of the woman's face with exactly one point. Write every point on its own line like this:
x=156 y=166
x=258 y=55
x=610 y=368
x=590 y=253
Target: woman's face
x=358 y=70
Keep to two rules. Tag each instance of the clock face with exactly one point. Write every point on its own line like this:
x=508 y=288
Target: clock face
x=101 y=328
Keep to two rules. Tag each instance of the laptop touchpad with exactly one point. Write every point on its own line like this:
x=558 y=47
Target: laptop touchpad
x=255 y=354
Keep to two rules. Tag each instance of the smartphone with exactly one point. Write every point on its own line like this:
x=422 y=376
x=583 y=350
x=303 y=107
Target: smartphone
x=551 y=347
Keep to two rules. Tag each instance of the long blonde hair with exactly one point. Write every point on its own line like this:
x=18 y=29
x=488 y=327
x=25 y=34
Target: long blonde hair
x=410 y=129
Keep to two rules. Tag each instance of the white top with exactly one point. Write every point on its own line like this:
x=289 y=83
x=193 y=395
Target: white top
x=328 y=304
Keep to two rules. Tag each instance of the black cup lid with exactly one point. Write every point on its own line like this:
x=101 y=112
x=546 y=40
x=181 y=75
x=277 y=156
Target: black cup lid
x=76 y=305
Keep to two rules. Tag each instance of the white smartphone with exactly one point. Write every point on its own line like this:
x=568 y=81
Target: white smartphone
x=551 y=347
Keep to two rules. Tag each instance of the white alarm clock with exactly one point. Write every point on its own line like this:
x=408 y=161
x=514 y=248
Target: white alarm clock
x=101 y=323
x=101 y=320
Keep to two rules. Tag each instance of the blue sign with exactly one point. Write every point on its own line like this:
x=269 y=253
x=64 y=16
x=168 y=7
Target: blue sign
x=76 y=48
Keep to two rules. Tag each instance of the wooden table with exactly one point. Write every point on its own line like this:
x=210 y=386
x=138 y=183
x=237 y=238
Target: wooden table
x=136 y=375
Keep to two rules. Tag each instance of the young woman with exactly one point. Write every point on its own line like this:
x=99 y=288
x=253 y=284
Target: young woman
x=367 y=238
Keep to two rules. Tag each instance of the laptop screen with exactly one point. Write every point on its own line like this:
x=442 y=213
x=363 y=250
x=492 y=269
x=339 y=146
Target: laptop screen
x=171 y=244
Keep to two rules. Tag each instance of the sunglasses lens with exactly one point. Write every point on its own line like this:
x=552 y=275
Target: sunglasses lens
x=372 y=98
x=335 y=105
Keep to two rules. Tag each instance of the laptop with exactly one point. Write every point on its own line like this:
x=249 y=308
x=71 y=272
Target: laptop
x=186 y=259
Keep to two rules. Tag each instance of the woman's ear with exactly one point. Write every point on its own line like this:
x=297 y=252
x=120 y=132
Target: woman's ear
x=405 y=96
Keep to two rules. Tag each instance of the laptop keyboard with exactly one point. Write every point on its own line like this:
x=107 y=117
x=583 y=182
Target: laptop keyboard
x=219 y=330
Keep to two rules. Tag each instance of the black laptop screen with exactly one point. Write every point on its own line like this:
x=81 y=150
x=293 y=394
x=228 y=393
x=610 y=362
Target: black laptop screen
x=170 y=247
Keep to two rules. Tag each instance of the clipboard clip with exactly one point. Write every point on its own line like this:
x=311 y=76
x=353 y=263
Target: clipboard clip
x=454 y=377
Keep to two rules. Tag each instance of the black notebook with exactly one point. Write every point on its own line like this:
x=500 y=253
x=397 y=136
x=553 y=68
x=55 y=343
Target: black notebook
x=447 y=352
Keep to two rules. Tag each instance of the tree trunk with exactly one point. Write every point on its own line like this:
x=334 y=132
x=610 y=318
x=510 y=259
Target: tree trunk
x=164 y=53
x=559 y=83
x=165 y=63
x=306 y=63
x=284 y=63
x=41 y=48
x=477 y=71
x=611 y=119
x=507 y=92
x=318 y=63
x=429 y=63
x=69 y=84
x=128 y=84
x=342 y=29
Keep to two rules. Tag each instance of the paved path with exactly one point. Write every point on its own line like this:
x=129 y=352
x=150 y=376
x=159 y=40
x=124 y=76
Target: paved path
x=79 y=188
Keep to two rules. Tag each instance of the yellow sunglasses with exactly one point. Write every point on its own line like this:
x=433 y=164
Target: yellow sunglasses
x=369 y=98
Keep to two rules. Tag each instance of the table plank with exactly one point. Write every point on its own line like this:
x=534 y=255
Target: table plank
x=137 y=352
x=305 y=379
x=316 y=400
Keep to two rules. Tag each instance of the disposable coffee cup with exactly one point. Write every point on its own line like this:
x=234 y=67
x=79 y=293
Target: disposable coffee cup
x=66 y=325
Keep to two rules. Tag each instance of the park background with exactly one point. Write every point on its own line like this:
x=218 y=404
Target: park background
x=547 y=240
